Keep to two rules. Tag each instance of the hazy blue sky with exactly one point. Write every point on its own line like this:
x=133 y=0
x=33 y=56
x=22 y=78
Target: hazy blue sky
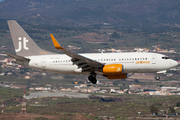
x=1 y=0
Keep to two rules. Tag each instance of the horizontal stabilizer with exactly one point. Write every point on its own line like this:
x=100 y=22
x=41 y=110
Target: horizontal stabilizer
x=17 y=57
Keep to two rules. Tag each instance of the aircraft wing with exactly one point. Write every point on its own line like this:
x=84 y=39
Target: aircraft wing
x=82 y=62
x=17 y=57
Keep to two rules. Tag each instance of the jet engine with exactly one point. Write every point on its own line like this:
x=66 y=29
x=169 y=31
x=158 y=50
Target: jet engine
x=113 y=69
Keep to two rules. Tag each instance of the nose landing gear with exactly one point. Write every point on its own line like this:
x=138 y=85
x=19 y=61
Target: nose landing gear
x=157 y=78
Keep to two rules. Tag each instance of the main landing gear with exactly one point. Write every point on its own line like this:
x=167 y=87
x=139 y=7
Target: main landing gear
x=92 y=78
x=157 y=78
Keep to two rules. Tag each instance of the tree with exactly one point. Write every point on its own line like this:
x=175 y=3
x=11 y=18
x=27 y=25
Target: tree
x=178 y=104
x=115 y=35
x=172 y=110
x=153 y=109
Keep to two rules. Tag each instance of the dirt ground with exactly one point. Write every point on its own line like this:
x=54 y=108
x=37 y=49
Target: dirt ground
x=27 y=116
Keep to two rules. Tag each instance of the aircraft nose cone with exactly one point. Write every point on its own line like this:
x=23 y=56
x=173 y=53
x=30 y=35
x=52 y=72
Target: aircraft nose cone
x=174 y=63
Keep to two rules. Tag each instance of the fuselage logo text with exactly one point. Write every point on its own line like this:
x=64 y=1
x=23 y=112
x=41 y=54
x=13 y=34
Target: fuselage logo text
x=22 y=43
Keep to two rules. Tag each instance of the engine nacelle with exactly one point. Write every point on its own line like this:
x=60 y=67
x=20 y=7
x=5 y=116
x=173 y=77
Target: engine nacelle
x=113 y=69
x=122 y=76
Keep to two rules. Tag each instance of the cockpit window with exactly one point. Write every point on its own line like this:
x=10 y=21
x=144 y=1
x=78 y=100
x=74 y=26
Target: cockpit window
x=165 y=57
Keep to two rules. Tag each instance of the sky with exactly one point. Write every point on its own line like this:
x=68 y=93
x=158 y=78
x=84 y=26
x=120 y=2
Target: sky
x=1 y=0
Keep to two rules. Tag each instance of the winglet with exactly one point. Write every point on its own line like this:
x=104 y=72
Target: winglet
x=55 y=42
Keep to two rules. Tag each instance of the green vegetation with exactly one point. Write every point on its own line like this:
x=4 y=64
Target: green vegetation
x=113 y=37
x=143 y=37
x=154 y=109
x=119 y=106
x=132 y=24
x=41 y=118
x=12 y=98
x=38 y=80
x=9 y=93
x=127 y=14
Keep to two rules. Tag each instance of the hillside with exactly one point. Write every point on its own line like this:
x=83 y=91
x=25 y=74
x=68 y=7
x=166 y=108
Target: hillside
x=86 y=12
x=80 y=23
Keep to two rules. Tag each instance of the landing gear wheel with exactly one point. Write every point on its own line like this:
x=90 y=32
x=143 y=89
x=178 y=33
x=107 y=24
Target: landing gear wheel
x=94 y=81
x=92 y=78
x=157 y=78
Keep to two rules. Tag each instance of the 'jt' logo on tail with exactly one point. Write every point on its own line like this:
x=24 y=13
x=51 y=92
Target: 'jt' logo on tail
x=22 y=43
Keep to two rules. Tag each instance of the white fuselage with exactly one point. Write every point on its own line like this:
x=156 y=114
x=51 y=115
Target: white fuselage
x=132 y=62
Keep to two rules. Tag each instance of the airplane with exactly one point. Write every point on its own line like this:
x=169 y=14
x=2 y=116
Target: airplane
x=110 y=65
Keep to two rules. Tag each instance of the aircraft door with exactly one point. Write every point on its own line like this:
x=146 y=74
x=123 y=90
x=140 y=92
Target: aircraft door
x=44 y=63
x=153 y=60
